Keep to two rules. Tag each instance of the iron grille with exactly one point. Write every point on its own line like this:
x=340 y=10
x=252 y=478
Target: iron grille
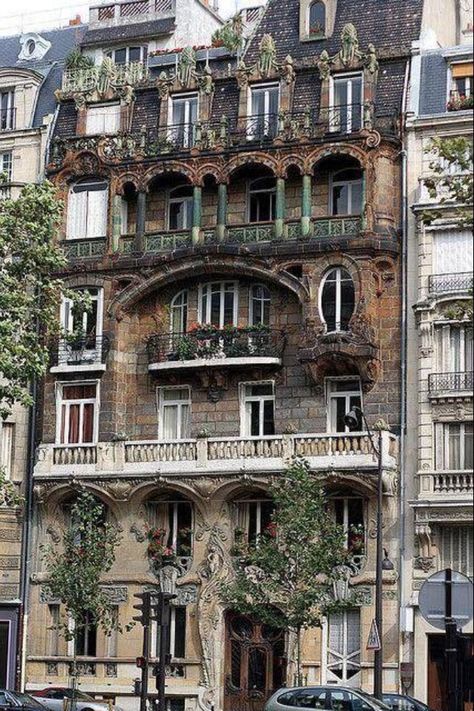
x=439 y=382
x=450 y=283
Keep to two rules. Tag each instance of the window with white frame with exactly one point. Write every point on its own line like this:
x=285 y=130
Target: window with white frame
x=265 y=106
x=87 y=209
x=128 y=55
x=179 y=312
x=218 y=303
x=7 y=436
x=343 y=648
x=253 y=517
x=337 y=299
x=454 y=347
x=183 y=119
x=454 y=450
x=103 y=119
x=349 y=513
x=262 y=200
x=173 y=517
x=456 y=548
x=461 y=80
x=259 y=305
x=343 y=394
x=85 y=323
x=77 y=413
x=346 y=104
x=452 y=252
x=346 y=192
x=177 y=634
x=6 y=166
x=7 y=109
x=180 y=208
x=174 y=408
x=258 y=409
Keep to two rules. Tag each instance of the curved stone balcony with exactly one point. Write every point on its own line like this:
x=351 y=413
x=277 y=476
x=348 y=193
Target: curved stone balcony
x=208 y=347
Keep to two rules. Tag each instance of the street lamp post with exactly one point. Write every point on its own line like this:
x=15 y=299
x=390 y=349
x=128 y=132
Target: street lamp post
x=352 y=420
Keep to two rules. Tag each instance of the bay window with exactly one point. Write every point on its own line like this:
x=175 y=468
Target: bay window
x=343 y=647
x=218 y=303
x=258 y=409
x=346 y=111
x=454 y=446
x=87 y=209
x=183 y=119
x=174 y=407
x=102 y=120
x=262 y=200
x=180 y=208
x=343 y=394
x=265 y=106
x=346 y=192
x=174 y=516
x=337 y=299
x=77 y=413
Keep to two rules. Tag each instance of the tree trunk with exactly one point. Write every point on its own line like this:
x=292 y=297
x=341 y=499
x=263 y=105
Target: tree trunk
x=299 y=676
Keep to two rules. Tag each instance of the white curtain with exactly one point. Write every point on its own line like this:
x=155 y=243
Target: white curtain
x=97 y=213
x=77 y=215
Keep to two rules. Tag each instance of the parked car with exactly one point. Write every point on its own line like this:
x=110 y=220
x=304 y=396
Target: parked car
x=397 y=702
x=53 y=698
x=325 y=698
x=12 y=701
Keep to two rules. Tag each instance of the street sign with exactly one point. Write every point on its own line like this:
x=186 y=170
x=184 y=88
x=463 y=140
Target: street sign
x=373 y=643
x=432 y=599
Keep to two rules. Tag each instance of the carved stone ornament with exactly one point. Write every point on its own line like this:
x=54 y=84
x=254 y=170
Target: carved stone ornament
x=349 y=53
x=104 y=82
x=424 y=563
x=186 y=71
x=349 y=56
x=267 y=56
x=324 y=65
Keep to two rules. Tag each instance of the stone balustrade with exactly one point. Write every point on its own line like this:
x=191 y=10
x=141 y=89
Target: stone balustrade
x=452 y=484
x=220 y=455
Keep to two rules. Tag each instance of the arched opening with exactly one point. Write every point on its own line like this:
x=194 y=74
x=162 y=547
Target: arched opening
x=317 y=19
x=337 y=299
x=128 y=210
x=169 y=204
x=179 y=312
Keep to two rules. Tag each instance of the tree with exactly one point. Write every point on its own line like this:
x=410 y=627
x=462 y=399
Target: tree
x=283 y=580
x=76 y=566
x=451 y=183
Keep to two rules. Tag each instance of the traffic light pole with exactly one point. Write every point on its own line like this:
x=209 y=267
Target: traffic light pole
x=164 y=622
x=146 y=656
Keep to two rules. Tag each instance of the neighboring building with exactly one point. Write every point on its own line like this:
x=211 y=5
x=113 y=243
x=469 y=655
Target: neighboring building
x=439 y=453
x=31 y=66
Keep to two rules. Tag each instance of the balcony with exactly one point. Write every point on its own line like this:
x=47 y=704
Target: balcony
x=450 y=383
x=89 y=248
x=450 y=283
x=81 y=354
x=441 y=485
x=207 y=347
x=124 y=12
x=230 y=455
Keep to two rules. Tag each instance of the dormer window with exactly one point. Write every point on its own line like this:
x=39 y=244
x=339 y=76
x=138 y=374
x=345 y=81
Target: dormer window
x=317 y=20
x=33 y=47
x=462 y=89
x=128 y=55
x=103 y=119
x=346 y=104
x=183 y=119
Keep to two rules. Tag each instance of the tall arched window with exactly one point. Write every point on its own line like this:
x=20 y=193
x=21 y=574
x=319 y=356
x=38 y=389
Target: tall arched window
x=317 y=19
x=180 y=208
x=262 y=202
x=87 y=209
x=260 y=300
x=337 y=299
x=346 y=193
x=179 y=312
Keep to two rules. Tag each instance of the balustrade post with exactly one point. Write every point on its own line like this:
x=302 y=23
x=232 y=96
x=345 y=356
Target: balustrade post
x=306 y=205
x=280 y=208
x=288 y=447
x=201 y=453
x=197 y=214
x=140 y=224
x=221 y=211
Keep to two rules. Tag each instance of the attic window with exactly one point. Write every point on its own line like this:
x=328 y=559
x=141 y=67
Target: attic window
x=317 y=20
x=33 y=47
x=30 y=47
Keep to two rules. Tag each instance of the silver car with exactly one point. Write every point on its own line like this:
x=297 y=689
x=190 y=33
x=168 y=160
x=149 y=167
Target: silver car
x=58 y=698
x=325 y=698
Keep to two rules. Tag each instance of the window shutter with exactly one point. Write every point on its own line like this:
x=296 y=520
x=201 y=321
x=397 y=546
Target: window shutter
x=464 y=69
x=77 y=215
x=97 y=213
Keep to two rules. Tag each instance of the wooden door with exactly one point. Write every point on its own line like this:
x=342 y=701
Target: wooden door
x=436 y=673
x=254 y=664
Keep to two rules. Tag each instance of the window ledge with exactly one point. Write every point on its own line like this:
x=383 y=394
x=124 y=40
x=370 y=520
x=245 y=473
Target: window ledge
x=214 y=363
x=81 y=368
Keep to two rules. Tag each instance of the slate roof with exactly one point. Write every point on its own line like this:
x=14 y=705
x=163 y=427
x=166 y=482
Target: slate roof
x=120 y=33
x=434 y=78
x=50 y=67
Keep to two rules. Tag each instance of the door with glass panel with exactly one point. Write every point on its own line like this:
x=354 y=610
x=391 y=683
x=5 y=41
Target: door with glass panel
x=184 y=116
x=263 y=123
x=343 y=395
x=258 y=406
x=346 y=113
x=218 y=304
x=174 y=406
x=343 y=648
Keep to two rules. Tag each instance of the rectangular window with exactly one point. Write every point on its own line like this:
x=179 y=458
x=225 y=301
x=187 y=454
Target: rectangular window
x=86 y=638
x=174 y=405
x=87 y=210
x=454 y=442
x=265 y=106
x=454 y=349
x=343 y=660
x=452 y=252
x=7 y=432
x=218 y=303
x=6 y=166
x=346 y=106
x=175 y=518
x=456 y=546
x=258 y=409
x=462 y=80
x=53 y=630
x=342 y=396
x=253 y=518
x=103 y=119
x=77 y=413
x=7 y=110
x=177 y=634
x=183 y=119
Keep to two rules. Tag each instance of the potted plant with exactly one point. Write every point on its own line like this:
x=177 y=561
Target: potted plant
x=159 y=553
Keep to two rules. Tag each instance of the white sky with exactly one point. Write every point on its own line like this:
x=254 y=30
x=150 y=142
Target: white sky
x=16 y=15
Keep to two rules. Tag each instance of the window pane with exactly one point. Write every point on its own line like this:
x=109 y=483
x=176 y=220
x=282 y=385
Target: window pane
x=254 y=419
x=88 y=423
x=317 y=18
x=120 y=56
x=347 y=303
x=74 y=432
x=329 y=304
x=170 y=422
x=180 y=632
x=257 y=669
x=468 y=448
x=454 y=447
x=134 y=54
x=173 y=394
x=268 y=418
x=340 y=200
x=228 y=308
x=261 y=389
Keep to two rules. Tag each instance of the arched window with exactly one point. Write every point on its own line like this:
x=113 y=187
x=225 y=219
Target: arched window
x=260 y=300
x=262 y=200
x=346 y=193
x=180 y=208
x=179 y=312
x=317 y=19
x=87 y=209
x=337 y=299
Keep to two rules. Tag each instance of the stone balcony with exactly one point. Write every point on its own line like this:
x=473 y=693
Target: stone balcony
x=230 y=456
x=449 y=485
x=445 y=284
x=450 y=385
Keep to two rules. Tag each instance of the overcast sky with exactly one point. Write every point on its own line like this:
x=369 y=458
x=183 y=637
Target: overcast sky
x=16 y=15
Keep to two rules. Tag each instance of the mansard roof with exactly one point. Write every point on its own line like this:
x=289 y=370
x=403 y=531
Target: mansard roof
x=121 y=33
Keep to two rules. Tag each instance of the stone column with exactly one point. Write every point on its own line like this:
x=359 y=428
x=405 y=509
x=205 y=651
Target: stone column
x=116 y=222
x=221 y=211
x=140 y=224
x=197 y=214
x=363 y=214
x=280 y=210
x=306 y=195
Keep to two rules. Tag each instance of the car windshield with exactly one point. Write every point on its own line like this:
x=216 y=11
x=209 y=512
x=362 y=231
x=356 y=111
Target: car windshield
x=375 y=702
x=26 y=700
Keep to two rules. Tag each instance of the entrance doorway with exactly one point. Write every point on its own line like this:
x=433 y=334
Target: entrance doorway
x=437 y=691
x=255 y=663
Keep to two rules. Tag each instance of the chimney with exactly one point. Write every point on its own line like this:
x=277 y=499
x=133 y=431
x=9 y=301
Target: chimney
x=75 y=21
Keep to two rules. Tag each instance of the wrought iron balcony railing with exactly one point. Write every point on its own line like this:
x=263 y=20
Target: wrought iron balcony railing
x=212 y=344
x=451 y=283
x=7 y=119
x=79 y=351
x=450 y=382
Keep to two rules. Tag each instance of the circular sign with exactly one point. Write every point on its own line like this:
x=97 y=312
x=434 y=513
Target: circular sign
x=433 y=598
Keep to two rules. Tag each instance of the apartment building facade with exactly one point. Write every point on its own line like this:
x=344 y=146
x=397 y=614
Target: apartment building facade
x=439 y=460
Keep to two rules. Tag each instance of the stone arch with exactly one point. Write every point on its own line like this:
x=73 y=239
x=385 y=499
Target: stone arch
x=209 y=169
x=128 y=178
x=335 y=151
x=60 y=493
x=256 y=159
x=294 y=161
x=176 y=167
